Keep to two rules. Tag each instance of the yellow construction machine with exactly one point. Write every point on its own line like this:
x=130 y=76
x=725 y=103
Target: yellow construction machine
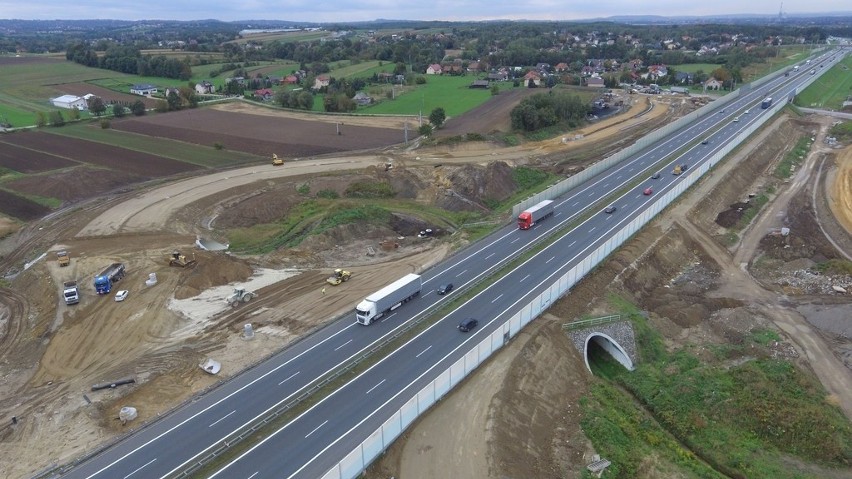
x=178 y=259
x=277 y=161
x=339 y=276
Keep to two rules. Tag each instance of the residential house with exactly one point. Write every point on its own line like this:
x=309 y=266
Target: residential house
x=655 y=72
x=204 y=87
x=434 y=69
x=69 y=102
x=362 y=98
x=684 y=78
x=290 y=80
x=453 y=70
x=498 y=76
x=532 y=78
x=144 y=89
x=712 y=84
x=561 y=67
x=543 y=67
x=169 y=90
x=473 y=67
x=595 y=82
x=321 y=81
x=264 y=94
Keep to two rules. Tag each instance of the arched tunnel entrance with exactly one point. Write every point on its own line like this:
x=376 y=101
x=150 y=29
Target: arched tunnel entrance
x=603 y=342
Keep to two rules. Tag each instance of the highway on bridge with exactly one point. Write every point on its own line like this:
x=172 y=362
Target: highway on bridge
x=316 y=440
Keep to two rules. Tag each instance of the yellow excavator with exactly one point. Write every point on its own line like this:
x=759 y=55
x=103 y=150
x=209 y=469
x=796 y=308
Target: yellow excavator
x=339 y=276
x=277 y=161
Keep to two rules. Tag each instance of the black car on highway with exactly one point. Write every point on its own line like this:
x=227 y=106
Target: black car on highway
x=468 y=325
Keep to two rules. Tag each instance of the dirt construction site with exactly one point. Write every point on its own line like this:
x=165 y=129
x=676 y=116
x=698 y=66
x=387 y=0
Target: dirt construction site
x=518 y=415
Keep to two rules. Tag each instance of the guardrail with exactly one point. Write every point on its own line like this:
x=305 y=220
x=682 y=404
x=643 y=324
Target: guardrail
x=354 y=463
x=251 y=428
x=563 y=186
x=640 y=145
x=588 y=323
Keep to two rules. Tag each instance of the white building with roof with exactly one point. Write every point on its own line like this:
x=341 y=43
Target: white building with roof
x=70 y=101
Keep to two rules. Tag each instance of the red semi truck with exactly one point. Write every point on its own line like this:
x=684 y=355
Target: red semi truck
x=530 y=217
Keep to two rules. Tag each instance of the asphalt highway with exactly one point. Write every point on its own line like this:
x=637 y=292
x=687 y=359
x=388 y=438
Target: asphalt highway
x=316 y=440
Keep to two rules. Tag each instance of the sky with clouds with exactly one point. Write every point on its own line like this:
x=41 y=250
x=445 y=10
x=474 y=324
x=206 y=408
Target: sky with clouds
x=364 y=10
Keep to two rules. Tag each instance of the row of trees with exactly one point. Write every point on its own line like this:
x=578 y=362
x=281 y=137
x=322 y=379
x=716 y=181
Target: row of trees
x=548 y=109
x=129 y=59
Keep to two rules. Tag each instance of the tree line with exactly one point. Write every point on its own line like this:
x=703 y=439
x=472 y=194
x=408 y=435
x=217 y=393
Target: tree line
x=129 y=59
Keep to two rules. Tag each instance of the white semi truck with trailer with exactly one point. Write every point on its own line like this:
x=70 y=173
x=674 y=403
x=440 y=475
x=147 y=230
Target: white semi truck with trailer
x=388 y=298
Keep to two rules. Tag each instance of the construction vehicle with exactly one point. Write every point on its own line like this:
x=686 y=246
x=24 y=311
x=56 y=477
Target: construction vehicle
x=677 y=170
x=240 y=295
x=63 y=258
x=105 y=280
x=181 y=260
x=277 y=161
x=388 y=299
x=339 y=276
x=70 y=292
x=530 y=217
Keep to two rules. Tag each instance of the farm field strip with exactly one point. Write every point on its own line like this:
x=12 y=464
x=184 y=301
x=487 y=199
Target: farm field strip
x=148 y=166
x=26 y=160
x=165 y=147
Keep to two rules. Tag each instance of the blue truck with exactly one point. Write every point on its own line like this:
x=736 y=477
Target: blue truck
x=104 y=281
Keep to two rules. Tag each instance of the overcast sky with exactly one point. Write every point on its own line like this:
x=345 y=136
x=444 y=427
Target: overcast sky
x=343 y=11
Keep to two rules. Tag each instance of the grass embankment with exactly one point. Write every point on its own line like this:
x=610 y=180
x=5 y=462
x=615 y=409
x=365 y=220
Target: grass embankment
x=842 y=131
x=367 y=203
x=787 y=166
x=740 y=415
x=830 y=90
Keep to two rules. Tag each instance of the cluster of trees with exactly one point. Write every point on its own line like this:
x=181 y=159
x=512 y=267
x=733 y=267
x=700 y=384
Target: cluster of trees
x=129 y=59
x=548 y=109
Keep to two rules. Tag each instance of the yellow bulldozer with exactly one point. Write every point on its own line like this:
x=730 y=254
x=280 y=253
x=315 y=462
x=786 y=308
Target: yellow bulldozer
x=277 y=161
x=339 y=276
x=177 y=259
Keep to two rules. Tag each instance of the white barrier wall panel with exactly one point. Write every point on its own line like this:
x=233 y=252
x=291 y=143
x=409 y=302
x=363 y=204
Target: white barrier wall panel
x=496 y=339
x=484 y=349
x=333 y=473
x=471 y=360
x=525 y=315
x=391 y=429
x=408 y=413
x=426 y=398
x=442 y=384
x=515 y=325
x=373 y=446
x=353 y=464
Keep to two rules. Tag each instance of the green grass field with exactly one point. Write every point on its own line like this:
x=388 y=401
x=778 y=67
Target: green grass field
x=448 y=92
x=694 y=67
x=708 y=418
x=831 y=89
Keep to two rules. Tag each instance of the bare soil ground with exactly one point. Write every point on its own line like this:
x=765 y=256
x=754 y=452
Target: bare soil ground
x=696 y=293
x=51 y=354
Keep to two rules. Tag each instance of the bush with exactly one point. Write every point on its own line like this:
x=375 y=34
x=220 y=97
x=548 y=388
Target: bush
x=370 y=189
x=105 y=124
x=218 y=146
x=328 y=194
x=304 y=189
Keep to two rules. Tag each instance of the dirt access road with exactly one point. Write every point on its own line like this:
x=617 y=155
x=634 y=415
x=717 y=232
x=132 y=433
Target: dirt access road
x=492 y=408
x=160 y=334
